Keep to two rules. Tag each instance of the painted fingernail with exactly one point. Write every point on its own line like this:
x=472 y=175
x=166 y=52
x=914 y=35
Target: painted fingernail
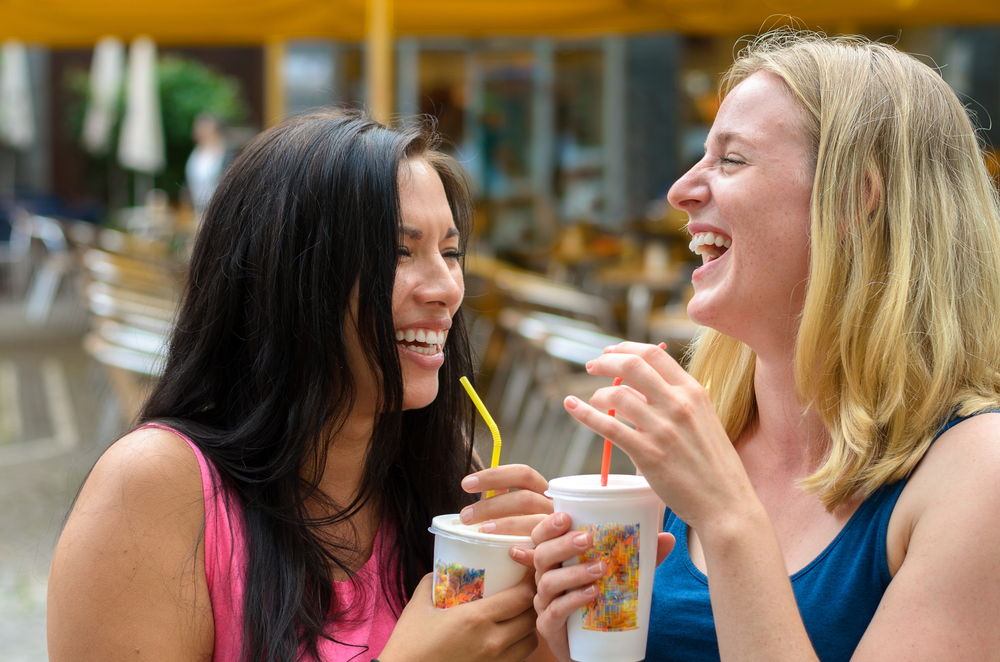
x=466 y=514
x=590 y=364
x=580 y=540
x=517 y=553
x=596 y=569
x=572 y=402
x=488 y=527
x=590 y=591
x=470 y=483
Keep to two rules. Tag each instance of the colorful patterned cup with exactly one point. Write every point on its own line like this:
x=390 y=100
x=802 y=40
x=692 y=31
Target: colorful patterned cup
x=469 y=564
x=623 y=519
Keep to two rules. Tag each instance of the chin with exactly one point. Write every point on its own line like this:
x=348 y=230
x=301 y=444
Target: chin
x=415 y=397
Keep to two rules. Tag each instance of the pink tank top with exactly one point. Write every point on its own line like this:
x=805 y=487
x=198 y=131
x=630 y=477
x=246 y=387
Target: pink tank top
x=225 y=569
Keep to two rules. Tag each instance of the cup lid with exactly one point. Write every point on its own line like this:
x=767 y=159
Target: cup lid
x=588 y=486
x=451 y=526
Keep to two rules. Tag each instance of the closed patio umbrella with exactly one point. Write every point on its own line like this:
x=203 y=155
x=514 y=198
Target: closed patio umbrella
x=106 y=71
x=17 y=120
x=140 y=143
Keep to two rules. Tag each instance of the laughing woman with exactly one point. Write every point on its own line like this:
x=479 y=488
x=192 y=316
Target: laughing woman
x=274 y=503
x=831 y=464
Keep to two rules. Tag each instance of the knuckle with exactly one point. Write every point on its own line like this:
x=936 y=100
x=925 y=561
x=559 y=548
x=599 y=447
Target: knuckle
x=632 y=362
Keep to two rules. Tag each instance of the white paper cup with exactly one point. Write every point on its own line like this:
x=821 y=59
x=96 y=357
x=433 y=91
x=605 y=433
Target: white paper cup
x=471 y=565
x=623 y=518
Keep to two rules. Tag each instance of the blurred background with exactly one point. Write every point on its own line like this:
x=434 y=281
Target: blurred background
x=573 y=116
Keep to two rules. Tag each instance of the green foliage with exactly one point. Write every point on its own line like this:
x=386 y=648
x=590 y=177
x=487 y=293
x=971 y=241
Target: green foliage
x=187 y=89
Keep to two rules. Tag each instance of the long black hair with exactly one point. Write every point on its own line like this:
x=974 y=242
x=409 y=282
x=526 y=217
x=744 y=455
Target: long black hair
x=258 y=374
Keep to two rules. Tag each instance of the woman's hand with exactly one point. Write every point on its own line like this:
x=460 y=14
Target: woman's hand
x=561 y=591
x=678 y=441
x=500 y=628
x=518 y=503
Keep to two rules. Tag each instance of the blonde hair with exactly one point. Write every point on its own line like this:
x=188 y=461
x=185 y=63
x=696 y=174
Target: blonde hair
x=898 y=330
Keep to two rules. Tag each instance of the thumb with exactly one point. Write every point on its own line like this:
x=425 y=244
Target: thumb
x=424 y=589
x=664 y=545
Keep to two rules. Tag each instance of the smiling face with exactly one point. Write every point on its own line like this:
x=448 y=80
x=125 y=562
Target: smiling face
x=429 y=286
x=748 y=206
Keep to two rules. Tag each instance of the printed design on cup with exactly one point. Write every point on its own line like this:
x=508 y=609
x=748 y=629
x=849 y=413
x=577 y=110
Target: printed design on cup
x=455 y=584
x=616 y=607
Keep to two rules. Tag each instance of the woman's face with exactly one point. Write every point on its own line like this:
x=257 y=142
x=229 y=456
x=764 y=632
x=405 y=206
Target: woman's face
x=429 y=285
x=748 y=206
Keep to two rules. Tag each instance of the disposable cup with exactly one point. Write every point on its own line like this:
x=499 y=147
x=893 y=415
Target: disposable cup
x=471 y=565
x=623 y=518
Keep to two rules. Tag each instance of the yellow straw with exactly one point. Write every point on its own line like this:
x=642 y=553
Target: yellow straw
x=489 y=421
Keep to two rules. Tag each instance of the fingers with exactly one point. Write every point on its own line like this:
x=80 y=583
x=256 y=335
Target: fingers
x=639 y=364
x=524 y=556
x=511 y=504
x=550 y=527
x=519 y=525
x=551 y=619
x=517 y=476
x=664 y=545
x=508 y=603
x=553 y=552
x=600 y=422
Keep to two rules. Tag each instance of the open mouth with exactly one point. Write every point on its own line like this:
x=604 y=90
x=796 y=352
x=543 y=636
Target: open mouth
x=709 y=245
x=422 y=341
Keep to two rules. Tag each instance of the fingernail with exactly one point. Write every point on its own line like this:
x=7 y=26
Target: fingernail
x=596 y=569
x=488 y=527
x=610 y=348
x=470 y=483
x=580 y=540
x=590 y=591
x=589 y=364
x=517 y=553
x=560 y=519
x=572 y=402
x=466 y=514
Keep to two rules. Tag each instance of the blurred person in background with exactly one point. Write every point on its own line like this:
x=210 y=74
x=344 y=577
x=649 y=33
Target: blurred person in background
x=274 y=504
x=206 y=163
x=830 y=463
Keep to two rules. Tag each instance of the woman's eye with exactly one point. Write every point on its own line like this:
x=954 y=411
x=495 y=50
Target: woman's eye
x=454 y=254
x=403 y=251
x=730 y=161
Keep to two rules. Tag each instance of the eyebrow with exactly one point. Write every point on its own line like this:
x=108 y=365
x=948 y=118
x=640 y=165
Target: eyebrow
x=726 y=137
x=417 y=235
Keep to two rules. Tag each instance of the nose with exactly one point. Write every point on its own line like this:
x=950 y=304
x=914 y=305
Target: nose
x=441 y=283
x=689 y=191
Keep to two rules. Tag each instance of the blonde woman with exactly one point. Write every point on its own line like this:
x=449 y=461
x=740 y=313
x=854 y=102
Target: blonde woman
x=831 y=461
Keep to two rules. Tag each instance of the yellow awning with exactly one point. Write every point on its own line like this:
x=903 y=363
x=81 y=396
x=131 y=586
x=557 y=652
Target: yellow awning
x=79 y=23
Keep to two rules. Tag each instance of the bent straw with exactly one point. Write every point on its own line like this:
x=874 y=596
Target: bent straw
x=489 y=421
x=606 y=458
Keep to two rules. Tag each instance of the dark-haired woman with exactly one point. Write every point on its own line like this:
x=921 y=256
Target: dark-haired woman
x=274 y=504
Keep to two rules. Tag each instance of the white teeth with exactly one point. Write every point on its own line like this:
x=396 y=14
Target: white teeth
x=433 y=338
x=699 y=241
x=429 y=351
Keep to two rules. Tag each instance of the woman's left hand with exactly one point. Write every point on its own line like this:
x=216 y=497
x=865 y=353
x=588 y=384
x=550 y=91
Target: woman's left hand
x=518 y=503
x=677 y=442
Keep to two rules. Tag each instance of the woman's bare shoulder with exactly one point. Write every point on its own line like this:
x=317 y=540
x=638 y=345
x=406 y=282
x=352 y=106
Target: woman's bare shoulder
x=941 y=550
x=128 y=572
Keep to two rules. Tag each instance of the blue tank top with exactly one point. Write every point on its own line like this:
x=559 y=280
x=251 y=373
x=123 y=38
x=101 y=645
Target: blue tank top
x=837 y=593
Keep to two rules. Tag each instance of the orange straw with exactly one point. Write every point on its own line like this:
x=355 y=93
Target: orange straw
x=606 y=458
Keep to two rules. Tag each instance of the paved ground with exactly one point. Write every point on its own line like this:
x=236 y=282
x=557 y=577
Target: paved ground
x=56 y=415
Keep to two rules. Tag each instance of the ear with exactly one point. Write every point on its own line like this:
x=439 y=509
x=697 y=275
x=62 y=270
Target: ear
x=873 y=191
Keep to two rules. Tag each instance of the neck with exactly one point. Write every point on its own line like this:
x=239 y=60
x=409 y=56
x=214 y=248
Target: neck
x=347 y=451
x=783 y=430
